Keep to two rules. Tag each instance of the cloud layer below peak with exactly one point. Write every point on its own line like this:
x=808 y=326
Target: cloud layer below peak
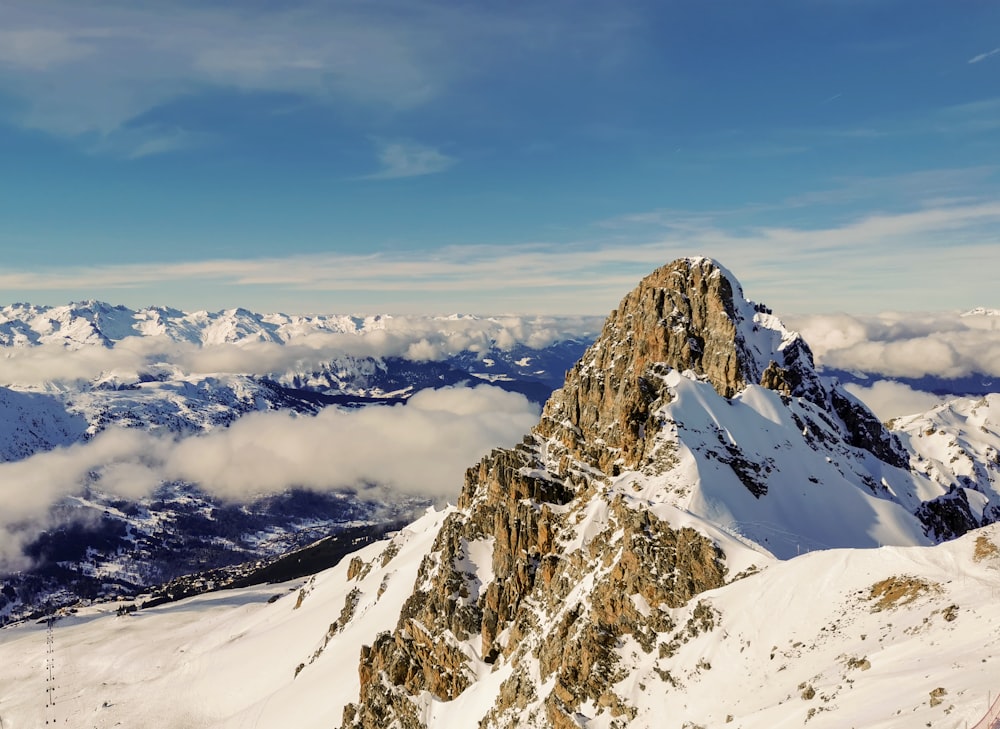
x=947 y=345
x=421 y=448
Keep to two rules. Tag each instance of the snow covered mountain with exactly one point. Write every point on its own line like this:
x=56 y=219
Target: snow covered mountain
x=96 y=322
x=93 y=345
x=957 y=446
x=71 y=374
x=879 y=638
x=700 y=531
x=692 y=443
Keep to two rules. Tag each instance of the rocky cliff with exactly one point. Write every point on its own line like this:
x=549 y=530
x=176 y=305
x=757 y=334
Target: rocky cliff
x=689 y=316
x=506 y=586
x=692 y=442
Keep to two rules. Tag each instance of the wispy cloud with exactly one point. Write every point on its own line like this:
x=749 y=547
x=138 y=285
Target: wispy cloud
x=89 y=70
x=983 y=56
x=408 y=159
x=83 y=69
x=939 y=188
x=41 y=49
x=949 y=251
x=914 y=188
x=146 y=140
x=159 y=142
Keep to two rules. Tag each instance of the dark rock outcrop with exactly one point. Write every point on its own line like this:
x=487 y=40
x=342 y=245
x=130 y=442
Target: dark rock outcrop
x=948 y=516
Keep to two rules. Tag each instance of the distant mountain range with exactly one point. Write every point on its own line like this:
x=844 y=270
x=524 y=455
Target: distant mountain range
x=73 y=372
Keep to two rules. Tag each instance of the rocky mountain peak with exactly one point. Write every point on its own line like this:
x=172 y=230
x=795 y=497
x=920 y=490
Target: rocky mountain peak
x=689 y=316
x=584 y=527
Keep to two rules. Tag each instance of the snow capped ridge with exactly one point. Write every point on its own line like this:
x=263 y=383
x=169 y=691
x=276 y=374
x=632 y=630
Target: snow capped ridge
x=94 y=322
x=982 y=311
x=761 y=336
x=691 y=445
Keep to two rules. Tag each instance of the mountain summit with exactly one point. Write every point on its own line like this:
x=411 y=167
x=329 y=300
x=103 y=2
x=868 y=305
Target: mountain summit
x=691 y=317
x=692 y=444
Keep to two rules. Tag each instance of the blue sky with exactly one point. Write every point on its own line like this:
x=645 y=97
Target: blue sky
x=534 y=157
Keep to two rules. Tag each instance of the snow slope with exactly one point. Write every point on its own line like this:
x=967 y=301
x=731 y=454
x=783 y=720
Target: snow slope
x=224 y=659
x=774 y=656
x=841 y=638
x=33 y=422
x=813 y=490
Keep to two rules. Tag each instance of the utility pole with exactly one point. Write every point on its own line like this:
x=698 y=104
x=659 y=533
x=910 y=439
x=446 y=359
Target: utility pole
x=50 y=668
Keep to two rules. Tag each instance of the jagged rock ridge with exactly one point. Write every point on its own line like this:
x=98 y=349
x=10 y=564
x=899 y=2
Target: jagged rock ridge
x=592 y=540
x=689 y=316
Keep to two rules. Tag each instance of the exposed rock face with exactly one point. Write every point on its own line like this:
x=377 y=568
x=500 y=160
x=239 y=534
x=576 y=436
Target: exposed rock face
x=640 y=567
x=864 y=430
x=688 y=315
x=681 y=316
x=550 y=565
x=948 y=516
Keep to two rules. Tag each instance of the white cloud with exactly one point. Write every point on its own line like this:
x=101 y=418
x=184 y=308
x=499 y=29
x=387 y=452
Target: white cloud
x=422 y=447
x=888 y=399
x=89 y=69
x=923 y=258
x=52 y=362
x=983 y=56
x=905 y=344
x=41 y=49
x=408 y=159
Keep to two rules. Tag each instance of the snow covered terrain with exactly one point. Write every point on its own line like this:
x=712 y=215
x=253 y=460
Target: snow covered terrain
x=876 y=638
x=33 y=422
x=701 y=530
x=113 y=347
